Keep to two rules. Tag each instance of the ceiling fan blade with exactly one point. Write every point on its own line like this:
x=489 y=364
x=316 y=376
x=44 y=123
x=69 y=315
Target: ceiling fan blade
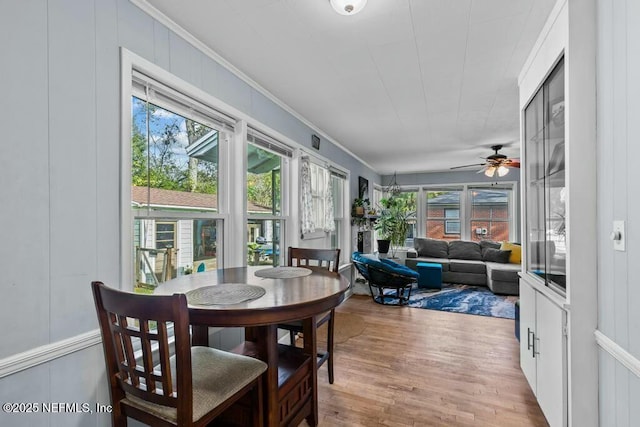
x=513 y=164
x=468 y=166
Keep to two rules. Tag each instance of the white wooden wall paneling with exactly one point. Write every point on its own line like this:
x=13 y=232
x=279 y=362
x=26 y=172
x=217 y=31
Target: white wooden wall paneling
x=618 y=174
x=72 y=124
x=24 y=189
x=107 y=233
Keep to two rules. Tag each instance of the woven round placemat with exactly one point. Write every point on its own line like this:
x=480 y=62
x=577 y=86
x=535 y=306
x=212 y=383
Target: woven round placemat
x=224 y=294
x=283 y=272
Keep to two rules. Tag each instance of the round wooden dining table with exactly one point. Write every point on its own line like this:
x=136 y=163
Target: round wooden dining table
x=290 y=386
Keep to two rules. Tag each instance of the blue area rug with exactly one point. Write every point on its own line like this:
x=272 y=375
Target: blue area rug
x=477 y=300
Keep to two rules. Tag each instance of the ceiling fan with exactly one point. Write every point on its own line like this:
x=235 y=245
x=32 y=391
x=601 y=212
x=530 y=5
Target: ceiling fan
x=495 y=163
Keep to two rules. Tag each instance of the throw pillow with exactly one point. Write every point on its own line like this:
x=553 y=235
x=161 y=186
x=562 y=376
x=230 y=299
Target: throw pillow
x=459 y=249
x=496 y=255
x=489 y=244
x=431 y=247
x=516 y=251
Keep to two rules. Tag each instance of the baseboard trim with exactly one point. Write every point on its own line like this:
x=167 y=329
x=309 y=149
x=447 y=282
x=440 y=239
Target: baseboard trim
x=620 y=354
x=46 y=353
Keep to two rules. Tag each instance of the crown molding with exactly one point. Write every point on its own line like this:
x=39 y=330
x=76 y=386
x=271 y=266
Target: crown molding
x=195 y=42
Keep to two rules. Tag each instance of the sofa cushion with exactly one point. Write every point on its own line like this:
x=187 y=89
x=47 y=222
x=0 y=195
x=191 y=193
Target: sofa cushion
x=413 y=262
x=459 y=249
x=431 y=247
x=467 y=266
x=516 y=251
x=503 y=272
x=495 y=255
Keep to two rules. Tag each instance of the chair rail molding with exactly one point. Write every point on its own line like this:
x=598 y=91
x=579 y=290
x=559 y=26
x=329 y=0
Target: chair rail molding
x=46 y=353
x=620 y=354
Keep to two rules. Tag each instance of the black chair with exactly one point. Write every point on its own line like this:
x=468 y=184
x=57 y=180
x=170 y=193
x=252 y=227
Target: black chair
x=381 y=276
x=316 y=258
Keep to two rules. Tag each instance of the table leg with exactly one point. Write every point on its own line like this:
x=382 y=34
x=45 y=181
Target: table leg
x=310 y=347
x=266 y=339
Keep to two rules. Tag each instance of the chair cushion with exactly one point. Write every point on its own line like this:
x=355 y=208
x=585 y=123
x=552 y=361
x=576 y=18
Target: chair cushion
x=459 y=249
x=216 y=375
x=431 y=247
x=495 y=255
x=399 y=268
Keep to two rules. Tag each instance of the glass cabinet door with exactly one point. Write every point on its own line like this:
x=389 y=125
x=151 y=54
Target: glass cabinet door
x=545 y=181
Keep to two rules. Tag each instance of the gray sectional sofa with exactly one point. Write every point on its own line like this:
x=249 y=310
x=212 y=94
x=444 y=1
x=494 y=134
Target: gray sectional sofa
x=469 y=263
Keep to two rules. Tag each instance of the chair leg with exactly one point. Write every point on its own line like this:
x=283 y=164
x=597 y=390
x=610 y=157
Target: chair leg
x=118 y=418
x=330 y=327
x=258 y=414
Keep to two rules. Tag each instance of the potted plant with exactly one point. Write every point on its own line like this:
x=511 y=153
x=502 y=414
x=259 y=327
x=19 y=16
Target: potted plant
x=384 y=226
x=254 y=252
x=359 y=207
x=393 y=222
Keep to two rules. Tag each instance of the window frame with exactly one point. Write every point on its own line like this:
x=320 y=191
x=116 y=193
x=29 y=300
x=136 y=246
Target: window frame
x=270 y=144
x=132 y=67
x=465 y=206
x=449 y=220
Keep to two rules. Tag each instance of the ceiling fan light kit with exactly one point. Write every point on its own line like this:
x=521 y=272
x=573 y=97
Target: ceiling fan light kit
x=502 y=170
x=348 y=7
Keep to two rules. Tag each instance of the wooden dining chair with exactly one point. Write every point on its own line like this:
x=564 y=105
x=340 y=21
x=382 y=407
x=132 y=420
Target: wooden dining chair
x=315 y=258
x=146 y=382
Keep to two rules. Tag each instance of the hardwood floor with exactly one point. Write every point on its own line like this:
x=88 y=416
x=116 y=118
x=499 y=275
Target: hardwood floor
x=416 y=367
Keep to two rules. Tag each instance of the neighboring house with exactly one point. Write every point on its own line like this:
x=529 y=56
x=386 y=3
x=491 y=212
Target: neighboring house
x=490 y=216
x=193 y=239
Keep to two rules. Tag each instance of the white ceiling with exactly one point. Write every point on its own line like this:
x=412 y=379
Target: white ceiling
x=406 y=85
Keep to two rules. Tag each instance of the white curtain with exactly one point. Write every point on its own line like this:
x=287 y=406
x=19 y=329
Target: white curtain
x=306 y=200
x=329 y=222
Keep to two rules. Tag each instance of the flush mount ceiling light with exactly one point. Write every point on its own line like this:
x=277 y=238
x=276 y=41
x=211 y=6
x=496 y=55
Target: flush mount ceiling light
x=348 y=7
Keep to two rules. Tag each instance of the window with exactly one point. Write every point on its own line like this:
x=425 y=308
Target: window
x=266 y=159
x=452 y=221
x=490 y=219
x=443 y=214
x=470 y=212
x=165 y=235
x=174 y=183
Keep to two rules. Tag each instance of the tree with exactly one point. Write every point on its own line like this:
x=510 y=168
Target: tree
x=159 y=159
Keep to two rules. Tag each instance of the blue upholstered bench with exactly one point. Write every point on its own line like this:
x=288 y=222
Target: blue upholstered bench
x=430 y=275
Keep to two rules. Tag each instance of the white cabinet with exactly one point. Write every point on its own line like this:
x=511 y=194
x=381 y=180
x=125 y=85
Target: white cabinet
x=543 y=352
